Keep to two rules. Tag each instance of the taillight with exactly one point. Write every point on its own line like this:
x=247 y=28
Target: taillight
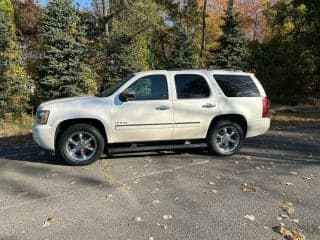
x=265 y=107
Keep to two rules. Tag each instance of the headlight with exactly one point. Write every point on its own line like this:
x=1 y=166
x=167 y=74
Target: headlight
x=42 y=116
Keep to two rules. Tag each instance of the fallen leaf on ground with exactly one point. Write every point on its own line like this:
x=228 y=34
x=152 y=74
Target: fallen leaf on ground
x=279 y=218
x=290 y=234
x=288 y=208
x=166 y=217
x=162 y=226
x=22 y=194
x=48 y=222
x=250 y=217
x=108 y=196
x=288 y=184
x=250 y=188
x=137 y=219
x=155 y=190
x=295 y=220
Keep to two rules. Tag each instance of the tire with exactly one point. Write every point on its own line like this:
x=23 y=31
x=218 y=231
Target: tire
x=225 y=138
x=81 y=144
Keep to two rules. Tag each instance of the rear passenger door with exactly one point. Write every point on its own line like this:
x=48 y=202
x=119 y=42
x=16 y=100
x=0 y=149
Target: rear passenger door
x=194 y=105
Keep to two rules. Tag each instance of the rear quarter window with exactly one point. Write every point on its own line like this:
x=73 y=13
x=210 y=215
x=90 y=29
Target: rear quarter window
x=237 y=85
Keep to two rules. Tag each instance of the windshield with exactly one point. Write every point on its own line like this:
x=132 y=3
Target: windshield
x=110 y=90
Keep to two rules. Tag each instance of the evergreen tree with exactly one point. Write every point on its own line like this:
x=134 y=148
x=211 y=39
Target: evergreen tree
x=62 y=71
x=14 y=82
x=183 y=55
x=119 y=61
x=233 y=51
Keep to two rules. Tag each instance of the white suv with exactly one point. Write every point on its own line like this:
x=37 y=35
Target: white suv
x=155 y=108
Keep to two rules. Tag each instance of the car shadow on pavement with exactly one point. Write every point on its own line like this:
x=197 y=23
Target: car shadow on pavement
x=31 y=154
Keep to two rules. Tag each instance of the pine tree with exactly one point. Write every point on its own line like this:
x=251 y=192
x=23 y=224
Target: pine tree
x=62 y=71
x=183 y=53
x=119 y=61
x=14 y=83
x=233 y=52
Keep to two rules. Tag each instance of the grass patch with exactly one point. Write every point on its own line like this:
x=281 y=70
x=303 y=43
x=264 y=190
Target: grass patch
x=290 y=118
x=15 y=131
x=296 y=117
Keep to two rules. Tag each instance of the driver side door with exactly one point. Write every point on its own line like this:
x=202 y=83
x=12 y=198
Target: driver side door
x=148 y=115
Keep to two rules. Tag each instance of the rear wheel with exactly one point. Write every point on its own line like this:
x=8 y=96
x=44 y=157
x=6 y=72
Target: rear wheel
x=225 y=138
x=81 y=144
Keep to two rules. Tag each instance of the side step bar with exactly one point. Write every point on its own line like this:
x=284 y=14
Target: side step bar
x=150 y=148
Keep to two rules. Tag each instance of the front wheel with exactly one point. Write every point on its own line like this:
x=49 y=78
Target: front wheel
x=81 y=144
x=225 y=138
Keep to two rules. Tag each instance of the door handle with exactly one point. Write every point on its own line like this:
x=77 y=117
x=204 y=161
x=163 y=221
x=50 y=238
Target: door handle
x=208 y=105
x=162 y=107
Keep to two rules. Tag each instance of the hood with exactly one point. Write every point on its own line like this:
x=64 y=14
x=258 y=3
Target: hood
x=68 y=101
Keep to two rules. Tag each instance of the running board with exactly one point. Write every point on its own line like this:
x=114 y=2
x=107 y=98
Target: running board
x=151 y=148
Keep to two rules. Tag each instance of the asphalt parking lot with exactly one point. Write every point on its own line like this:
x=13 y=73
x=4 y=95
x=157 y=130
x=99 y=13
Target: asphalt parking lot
x=166 y=195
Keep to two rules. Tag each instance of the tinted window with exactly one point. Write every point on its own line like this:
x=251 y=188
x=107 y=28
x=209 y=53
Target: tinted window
x=150 y=88
x=191 y=86
x=237 y=86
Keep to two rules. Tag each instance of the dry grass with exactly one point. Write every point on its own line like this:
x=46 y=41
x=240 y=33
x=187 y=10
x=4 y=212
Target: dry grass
x=301 y=114
x=296 y=118
x=15 y=131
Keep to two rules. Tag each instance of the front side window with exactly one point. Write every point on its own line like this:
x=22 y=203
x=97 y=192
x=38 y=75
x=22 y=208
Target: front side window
x=190 y=86
x=153 y=87
x=237 y=85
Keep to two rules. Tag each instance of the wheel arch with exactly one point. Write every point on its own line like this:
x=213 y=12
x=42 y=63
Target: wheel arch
x=238 y=118
x=63 y=125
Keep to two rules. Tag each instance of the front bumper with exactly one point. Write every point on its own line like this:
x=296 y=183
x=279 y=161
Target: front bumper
x=44 y=136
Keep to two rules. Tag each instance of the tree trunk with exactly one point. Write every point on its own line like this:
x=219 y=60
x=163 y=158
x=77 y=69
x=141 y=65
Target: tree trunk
x=203 y=37
x=105 y=10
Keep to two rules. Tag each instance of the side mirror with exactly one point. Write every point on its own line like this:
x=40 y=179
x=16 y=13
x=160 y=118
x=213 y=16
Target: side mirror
x=127 y=95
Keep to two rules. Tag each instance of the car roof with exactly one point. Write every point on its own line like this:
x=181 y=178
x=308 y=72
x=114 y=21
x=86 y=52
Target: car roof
x=227 y=72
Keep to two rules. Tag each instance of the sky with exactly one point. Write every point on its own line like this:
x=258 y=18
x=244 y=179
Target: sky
x=82 y=3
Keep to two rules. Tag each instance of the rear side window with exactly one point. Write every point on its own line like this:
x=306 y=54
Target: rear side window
x=191 y=86
x=237 y=85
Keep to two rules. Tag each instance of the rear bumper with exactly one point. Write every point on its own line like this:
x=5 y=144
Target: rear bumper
x=257 y=127
x=43 y=135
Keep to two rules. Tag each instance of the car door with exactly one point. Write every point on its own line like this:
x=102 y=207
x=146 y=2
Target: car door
x=148 y=116
x=194 y=105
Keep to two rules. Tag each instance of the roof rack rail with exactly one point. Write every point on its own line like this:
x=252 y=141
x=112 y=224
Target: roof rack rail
x=227 y=69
